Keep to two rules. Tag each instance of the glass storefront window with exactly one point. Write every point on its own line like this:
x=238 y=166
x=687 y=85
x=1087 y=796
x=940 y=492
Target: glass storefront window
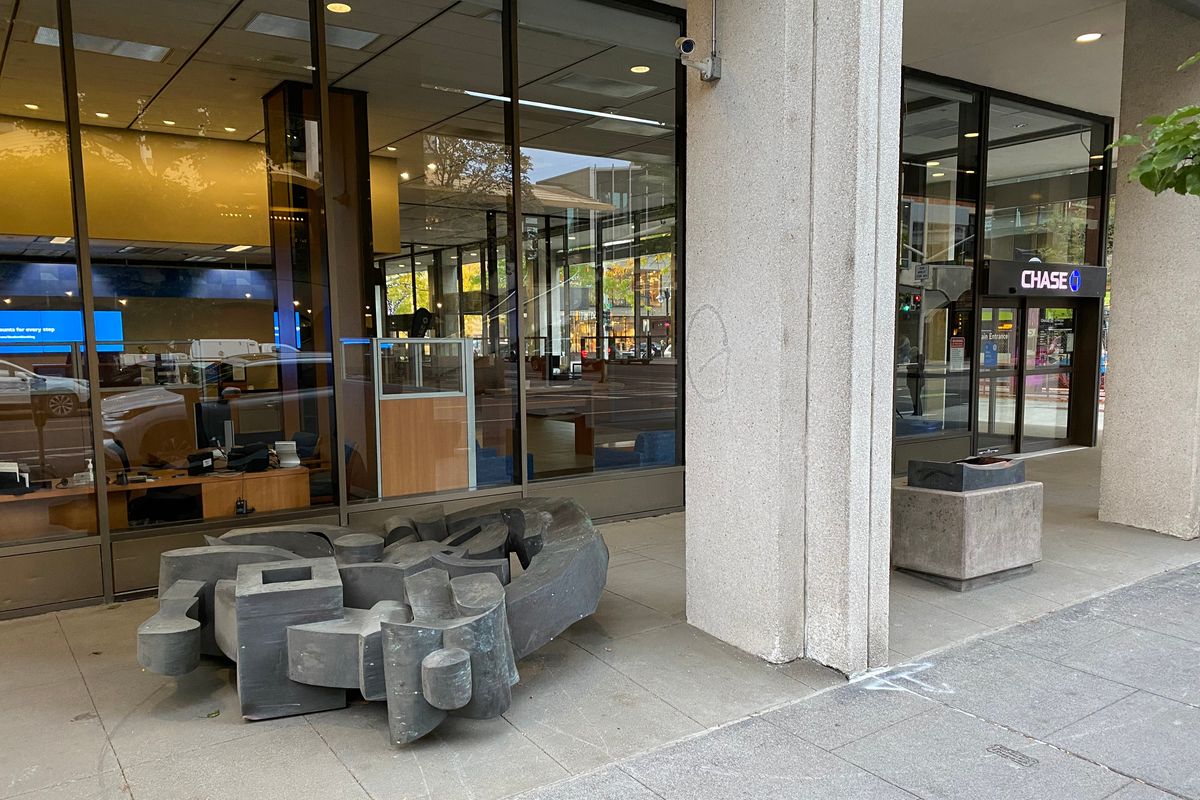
x=202 y=177
x=47 y=475
x=600 y=247
x=935 y=275
x=1044 y=184
x=429 y=87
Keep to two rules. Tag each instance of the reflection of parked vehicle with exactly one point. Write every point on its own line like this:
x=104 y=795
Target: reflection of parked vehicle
x=21 y=388
x=150 y=423
x=155 y=424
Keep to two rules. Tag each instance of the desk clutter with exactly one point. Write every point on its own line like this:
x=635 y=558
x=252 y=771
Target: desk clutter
x=207 y=484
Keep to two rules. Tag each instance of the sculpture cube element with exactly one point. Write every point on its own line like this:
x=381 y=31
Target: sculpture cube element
x=270 y=598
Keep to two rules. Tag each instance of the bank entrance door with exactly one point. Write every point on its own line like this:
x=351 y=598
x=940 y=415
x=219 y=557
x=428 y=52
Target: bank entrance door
x=1026 y=368
x=999 y=362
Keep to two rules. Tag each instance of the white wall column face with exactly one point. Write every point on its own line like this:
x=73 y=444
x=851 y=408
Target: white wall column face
x=791 y=251
x=1150 y=468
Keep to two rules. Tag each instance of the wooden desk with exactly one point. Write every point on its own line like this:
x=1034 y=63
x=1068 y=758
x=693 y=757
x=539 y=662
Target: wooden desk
x=28 y=516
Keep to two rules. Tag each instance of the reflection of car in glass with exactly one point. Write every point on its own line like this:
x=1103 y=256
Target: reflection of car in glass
x=155 y=424
x=21 y=388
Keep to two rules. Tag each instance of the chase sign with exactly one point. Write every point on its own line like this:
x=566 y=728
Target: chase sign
x=1035 y=279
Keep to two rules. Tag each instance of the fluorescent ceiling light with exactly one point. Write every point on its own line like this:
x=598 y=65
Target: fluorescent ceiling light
x=238 y=248
x=292 y=28
x=971 y=135
x=933 y=163
x=60 y=240
x=551 y=106
x=339 y=8
x=391 y=149
x=168 y=122
x=938 y=175
x=640 y=69
x=105 y=45
x=32 y=106
x=230 y=130
x=102 y=114
x=1085 y=38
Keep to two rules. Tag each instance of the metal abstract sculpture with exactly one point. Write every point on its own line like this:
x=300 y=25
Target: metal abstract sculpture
x=423 y=614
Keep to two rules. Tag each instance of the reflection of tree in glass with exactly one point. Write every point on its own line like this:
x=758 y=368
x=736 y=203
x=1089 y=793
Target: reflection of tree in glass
x=1065 y=232
x=472 y=167
x=400 y=299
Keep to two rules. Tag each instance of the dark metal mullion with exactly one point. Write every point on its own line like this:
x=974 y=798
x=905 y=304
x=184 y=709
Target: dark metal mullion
x=66 y=53
x=1021 y=324
x=978 y=273
x=678 y=307
x=316 y=22
x=546 y=298
x=516 y=226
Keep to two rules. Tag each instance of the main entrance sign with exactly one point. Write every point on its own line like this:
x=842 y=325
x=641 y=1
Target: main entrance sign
x=1035 y=279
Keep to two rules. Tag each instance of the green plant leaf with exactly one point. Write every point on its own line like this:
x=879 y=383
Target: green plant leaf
x=1128 y=140
x=1191 y=62
x=1154 y=119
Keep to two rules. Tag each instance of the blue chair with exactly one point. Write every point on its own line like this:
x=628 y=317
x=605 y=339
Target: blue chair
x=493 y=469
x=650 y=449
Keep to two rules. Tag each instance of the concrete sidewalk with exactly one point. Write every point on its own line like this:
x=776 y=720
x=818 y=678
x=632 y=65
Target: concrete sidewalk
x=1099 y=700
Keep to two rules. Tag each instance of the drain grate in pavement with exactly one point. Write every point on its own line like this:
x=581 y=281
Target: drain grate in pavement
x=1012 y=755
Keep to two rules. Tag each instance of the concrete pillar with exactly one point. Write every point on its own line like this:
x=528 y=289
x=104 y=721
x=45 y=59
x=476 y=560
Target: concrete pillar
x=1150 y=467
x=791 y=265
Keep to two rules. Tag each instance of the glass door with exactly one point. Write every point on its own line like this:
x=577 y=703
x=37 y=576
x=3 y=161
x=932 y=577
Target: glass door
x=1049 y=363
x=996 y=400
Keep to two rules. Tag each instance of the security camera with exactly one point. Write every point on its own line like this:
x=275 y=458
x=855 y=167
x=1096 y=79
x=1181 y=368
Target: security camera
x=686 y=46
x=709 y=68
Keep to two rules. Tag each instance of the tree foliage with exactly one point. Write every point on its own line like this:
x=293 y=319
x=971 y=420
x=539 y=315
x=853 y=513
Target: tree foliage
x=1170 y=155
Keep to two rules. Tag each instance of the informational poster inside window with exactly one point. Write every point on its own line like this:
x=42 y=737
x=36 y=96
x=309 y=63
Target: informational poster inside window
x=958 y=349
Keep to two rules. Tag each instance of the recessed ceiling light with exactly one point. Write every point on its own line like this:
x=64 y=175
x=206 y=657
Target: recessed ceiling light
x=640 y=69
x=431 y=165
x=8 y=301
x=123 y=301
x=939 y=175
x=933 y=163
x=403 y=176
x=339 y=8
x=32 y=106
x=391 y=149
x=229 y=129
x=295 y=302
x=1084 y=38
x=102 y=114
x=971 y=135
x=70 y=293
x=168 y=122
x=238 y=248
x=248 y=295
